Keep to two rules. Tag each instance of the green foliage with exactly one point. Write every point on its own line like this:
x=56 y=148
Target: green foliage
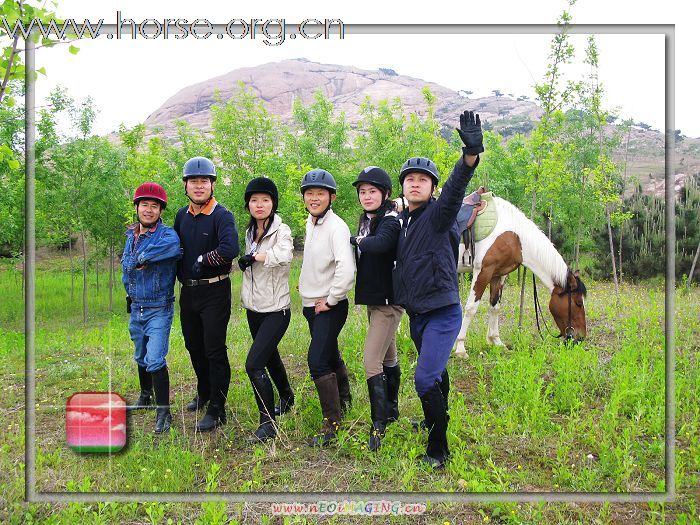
x=644 y=234
x=11 y=60
x=318 y=138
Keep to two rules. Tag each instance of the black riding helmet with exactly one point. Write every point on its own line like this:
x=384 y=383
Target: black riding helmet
x=376 y=177
x=199 y=167
x=262 y=185
x=422 y=165
x=318 y=178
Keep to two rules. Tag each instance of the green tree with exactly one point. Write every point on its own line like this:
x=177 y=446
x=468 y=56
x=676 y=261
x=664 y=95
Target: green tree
x=318 y=138
x=11 y=180
x=546 y=170
x=248 y=142
x=11 y=60
x=110 y=205
x=386 y=138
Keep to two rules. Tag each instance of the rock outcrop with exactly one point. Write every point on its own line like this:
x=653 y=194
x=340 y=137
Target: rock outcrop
x=277 y=84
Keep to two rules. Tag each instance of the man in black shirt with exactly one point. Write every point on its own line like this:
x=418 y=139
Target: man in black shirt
x=209 y=238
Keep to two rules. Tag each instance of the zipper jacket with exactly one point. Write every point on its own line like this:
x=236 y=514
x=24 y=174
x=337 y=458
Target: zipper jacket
x=265 y=286
x=328 y=270
x=425 y=276
x=210 y=233
x=375 y=261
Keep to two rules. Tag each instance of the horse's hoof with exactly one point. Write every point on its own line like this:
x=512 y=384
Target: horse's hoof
x=463 y=354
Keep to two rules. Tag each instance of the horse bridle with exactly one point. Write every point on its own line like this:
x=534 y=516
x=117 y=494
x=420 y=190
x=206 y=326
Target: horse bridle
x=569 y=330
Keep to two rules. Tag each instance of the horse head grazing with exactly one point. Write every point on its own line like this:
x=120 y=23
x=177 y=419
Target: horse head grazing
x=568 y=309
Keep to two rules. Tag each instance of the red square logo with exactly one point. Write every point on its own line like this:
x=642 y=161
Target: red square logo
x=96 y=422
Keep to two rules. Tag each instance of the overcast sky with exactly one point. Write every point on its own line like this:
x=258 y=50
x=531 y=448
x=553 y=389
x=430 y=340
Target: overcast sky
x=130 y=79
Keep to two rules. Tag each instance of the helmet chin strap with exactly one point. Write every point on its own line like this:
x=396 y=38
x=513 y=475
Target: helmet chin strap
x=322 y=214
x=205 y=203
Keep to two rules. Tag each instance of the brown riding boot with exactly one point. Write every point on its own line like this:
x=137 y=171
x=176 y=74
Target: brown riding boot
x=341 y=374
x=327 y=387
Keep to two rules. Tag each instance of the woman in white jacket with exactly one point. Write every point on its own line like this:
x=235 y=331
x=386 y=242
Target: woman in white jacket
x=265 y=296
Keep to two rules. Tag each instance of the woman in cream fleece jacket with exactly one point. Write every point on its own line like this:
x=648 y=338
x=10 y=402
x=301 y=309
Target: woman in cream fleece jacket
x=265 y=296
x=327 y=275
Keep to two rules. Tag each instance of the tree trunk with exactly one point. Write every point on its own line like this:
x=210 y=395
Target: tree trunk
x=70 y=256
x=549 y=223
x=85 y=277
x=612 y=248
x=692 y=267
x=97 y=269
x=522 y=283
x=578 y=227
x=111 y=272
x=24 y=267
x=619 y=253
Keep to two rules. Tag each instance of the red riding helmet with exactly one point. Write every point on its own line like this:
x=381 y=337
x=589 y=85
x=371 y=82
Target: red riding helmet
x=151 y=190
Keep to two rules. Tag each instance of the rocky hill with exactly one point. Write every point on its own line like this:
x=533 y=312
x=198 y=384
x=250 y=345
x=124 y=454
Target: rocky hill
x=279 y=83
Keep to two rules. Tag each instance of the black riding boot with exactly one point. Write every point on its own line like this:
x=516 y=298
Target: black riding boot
x=214 y=417
x=341 y=374
x=445 y=389
x=435 y=412
x=196 y=403
x=265 y=399
x=377 y=387
x=161 y=385
x=145 y=400
x=327 y=388
x=393 y=381
x=278 y=374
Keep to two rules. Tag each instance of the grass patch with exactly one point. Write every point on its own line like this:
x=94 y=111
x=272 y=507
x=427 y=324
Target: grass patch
x=533 y=416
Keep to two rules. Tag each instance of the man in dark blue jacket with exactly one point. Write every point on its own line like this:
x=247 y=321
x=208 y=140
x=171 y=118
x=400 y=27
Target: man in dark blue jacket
x=209 y=240
x=148 y=273
x=425 y=276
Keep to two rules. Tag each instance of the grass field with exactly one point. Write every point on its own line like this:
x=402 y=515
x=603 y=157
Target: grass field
x=534 y=416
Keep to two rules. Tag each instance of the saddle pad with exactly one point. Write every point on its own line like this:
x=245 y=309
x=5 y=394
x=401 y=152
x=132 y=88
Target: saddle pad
x=486 y=219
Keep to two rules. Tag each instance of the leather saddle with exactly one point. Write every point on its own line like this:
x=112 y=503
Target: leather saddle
x=472 y=205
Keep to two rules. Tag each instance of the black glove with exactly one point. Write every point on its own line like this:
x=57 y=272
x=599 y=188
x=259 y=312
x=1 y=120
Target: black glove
x=470 y=133
x=197 y=268
x=245 y=261
x=353 y=240
x=128 y=304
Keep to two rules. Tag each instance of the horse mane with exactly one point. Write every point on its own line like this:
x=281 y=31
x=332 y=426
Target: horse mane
x=534 y=242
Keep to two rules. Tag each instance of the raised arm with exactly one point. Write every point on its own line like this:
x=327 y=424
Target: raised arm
x=453 y=190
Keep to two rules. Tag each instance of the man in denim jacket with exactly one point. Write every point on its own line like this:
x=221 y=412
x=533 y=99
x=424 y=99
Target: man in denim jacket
x=149 y=265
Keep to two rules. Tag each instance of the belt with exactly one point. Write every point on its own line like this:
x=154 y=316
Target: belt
x=199 y=282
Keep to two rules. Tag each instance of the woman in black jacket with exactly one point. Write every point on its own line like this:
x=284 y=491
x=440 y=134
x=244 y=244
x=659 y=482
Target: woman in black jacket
x=375 y=252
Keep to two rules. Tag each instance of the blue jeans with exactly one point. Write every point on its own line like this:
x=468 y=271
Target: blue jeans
x=434 y=333
x=150 y=332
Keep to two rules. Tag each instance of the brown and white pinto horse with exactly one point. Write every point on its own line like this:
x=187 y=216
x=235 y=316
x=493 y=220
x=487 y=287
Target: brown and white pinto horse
x=517 y=240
